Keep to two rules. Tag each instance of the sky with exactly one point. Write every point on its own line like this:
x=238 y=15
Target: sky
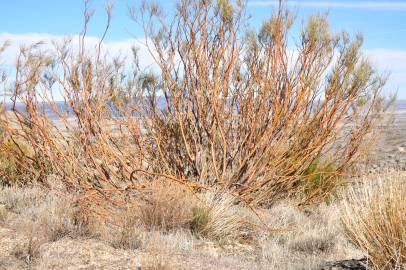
x=383 y=24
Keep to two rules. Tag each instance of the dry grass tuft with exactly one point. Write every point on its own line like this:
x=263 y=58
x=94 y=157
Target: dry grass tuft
x=28 y=251
x=125 y=236
x=218 y=218
x=17 y=199
x=375 y=219
x=155 y=262
x=45 y=215
x=12 y=170
x=165 y=206
x=309 y=239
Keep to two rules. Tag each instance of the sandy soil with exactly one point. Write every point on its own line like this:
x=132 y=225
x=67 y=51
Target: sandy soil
x=319 y=239
x=391 y=151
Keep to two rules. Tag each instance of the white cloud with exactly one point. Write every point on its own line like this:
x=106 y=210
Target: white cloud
x=393 y=61
x=113 y=48
x=385 y=5
x=388 y=59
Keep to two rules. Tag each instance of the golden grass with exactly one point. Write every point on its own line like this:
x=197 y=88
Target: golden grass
x=165 y=206
x=375 y=219
x=41 y=229
x=218 y=218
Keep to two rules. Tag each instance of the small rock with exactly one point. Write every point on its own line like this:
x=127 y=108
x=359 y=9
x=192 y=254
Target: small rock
x=361 y=264
x=401 y=149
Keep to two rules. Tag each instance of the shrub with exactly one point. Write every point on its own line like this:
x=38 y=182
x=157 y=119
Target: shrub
x=375 y=219
x=126 y=236
x=13 y=170
x=319 y=177
x=240 y=112
x=44 y=215
x=218 y=218
x=227 y=110
x=165 y=206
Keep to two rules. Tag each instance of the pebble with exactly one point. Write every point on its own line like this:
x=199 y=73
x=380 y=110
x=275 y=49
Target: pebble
x=361 y=264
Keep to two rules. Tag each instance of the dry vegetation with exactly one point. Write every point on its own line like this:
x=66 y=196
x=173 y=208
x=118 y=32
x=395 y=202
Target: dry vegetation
x=375 y=220
x=209 y=154
x=42 y=230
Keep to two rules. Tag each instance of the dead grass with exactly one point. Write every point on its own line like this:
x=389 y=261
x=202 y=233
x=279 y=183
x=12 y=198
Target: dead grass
x=155 y=262
x=45 y=216
x=17 y=199
x=375 y=219
x=169 y=207
x=311 y=238
x=165 y=206
x=84 y=254
x=217 y=217
x=28 y=251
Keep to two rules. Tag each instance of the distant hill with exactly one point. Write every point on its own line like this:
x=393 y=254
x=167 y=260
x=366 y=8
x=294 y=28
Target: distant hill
x=400 y=105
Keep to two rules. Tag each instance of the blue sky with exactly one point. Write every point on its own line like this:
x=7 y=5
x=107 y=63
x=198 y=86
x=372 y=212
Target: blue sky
x=383 y=24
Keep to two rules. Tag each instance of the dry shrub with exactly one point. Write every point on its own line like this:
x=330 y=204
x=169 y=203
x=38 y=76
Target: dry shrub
x=226 y=111
x=87 y=140
x=218 y=218
x=125 y=236
x=27 y=251
x=169 y=206
x=306 y=239
x=155 y=262
x=45 y=216
x=18 y=200
x=166 y=206
x=12 y=170
x=375 y=219
x=246 y=111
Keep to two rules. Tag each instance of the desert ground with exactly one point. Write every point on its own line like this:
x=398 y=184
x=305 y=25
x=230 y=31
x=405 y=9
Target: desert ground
x=202 y=135
x=391 y=151
x=38 y=231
